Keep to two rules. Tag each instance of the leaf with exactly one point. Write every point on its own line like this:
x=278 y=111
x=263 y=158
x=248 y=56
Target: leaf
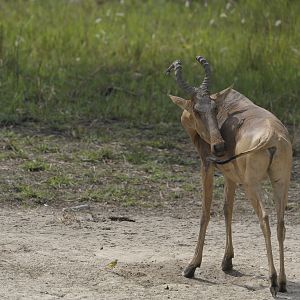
x=112 y=264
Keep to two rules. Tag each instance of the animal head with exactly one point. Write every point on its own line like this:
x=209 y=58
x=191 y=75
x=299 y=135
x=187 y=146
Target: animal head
x=201 y=106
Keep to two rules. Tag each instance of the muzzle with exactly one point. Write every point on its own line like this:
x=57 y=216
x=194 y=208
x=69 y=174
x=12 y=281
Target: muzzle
x=218 y=149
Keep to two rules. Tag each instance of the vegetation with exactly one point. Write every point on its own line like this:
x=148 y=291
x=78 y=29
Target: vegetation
x=63 y=61
x=88 y=169
x=106 y=166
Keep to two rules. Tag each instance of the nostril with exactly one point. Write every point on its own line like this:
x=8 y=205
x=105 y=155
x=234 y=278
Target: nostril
x=219 y=149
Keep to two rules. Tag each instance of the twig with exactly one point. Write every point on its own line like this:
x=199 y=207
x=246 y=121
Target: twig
x=121 y=219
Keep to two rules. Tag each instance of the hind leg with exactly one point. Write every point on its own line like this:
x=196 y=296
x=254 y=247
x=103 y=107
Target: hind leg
x=280 y=178
x=253 y=193
x=256 y=167
x=280 y=196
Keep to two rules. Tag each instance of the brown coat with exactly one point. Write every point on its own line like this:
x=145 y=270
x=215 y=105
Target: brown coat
x=257 y=147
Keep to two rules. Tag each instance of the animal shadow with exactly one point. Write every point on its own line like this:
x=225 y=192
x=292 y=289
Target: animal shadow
x=293 y=292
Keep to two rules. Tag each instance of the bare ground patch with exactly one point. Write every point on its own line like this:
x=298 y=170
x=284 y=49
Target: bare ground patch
x=43 y=258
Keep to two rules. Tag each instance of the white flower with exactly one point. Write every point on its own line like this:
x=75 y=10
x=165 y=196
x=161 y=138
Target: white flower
x=98 y=20
x=295 y=50
x=228 y=5
x=277 y=23
x=223 y=15
x=243 y=21
x=19 y=40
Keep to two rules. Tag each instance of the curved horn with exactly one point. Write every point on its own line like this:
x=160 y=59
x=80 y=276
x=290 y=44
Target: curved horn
x=205 y=84
x=180 y=81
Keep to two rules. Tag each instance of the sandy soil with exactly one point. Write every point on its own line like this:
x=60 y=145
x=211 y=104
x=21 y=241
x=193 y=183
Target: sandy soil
x=50 y=254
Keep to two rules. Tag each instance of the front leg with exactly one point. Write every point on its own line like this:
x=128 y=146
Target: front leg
x=229 y=190
x=207 y=169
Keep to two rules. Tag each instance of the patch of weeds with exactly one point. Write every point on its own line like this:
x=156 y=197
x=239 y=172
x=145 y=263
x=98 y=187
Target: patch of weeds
x=137 y=156
x=151 y=167
x=160 y=144
x=158 y=172
x=93 y=177
x=11 y=155
x=113 y=193
x=46 y=148
x=60 y=180
x=36 y=166
x=4 y=156
x=26 y=192
x=175 y=160
x=67 y=157
x=219 y=181
x=97 y=155
x=77 y=131
x=97 y=138
x=293 y=206
x=29 y=141
x=16 y=149
x=132 y=179
x=130 y=201
x=218 y=187
x=9 y=134
x=159 y=175
x=175 y=195
x=93 y=195
x=188 y=187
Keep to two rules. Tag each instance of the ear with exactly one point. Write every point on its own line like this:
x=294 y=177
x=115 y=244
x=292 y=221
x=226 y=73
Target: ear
x=221 y=95
x=184 y=104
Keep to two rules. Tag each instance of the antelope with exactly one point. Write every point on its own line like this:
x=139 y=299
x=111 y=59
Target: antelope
x=247 y=144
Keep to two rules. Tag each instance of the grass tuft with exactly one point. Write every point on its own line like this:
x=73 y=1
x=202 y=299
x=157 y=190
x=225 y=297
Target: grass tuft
x=36 y=166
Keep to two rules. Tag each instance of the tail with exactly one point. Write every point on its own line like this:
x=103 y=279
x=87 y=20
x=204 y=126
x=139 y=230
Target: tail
x=263 y=142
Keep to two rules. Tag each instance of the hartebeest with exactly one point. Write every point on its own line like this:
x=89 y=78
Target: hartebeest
x=247 y=144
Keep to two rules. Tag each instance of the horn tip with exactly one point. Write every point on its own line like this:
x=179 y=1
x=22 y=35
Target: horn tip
x=200 y=58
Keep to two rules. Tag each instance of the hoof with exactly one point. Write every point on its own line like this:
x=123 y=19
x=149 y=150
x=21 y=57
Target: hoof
x=274 y=290
x=282 y=287
x=227 y=264
x=189 y=271
x=274 y=285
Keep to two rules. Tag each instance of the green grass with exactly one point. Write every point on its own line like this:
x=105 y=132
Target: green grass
x=26 y=193
x=126 y=169
x=35 y=165
x=61 y=61
x=59 y=181
x=97 y=155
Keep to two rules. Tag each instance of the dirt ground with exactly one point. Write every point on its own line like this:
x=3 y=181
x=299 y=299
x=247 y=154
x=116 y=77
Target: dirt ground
x=50 y=254
x=115 y=251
